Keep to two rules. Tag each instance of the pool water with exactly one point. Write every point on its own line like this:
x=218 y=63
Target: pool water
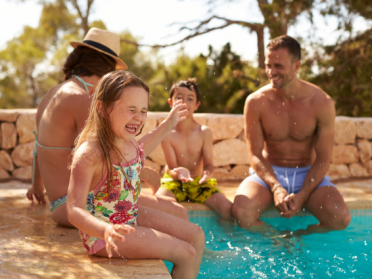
x=232 y=252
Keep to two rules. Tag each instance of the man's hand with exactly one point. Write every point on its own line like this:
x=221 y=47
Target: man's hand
x=177 y=113
x=183 y=174
x=151 y=178
x=37 y=193
x=204 y=177
x=279 y=195
x=295 y=203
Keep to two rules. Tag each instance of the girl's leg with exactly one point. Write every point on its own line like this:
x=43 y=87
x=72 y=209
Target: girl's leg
x=170 y=238
x=166 y=193
x=221 y=204
x=171 y=225
x=163 y=204
x=146 y=243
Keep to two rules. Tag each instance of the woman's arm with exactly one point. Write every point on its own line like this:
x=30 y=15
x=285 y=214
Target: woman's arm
x=37 y=188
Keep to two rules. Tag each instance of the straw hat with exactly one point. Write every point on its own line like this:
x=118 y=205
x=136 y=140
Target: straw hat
x=105 y=42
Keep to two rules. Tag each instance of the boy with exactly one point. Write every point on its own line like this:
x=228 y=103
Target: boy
x=189 y=156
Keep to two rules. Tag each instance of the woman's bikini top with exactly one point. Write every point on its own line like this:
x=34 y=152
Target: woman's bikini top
x=85 y=84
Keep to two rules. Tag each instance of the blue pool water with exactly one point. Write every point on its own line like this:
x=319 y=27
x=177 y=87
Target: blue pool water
x=232 y=252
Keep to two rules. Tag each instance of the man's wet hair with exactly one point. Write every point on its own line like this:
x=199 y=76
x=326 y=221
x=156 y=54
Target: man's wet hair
x=287 y=42
x=190 y=84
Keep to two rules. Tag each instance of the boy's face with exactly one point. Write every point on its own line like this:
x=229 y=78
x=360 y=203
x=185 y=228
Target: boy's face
x=187 y=96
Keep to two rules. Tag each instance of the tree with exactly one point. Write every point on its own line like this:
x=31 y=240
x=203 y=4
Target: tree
x=278 y=16
x=224 y=84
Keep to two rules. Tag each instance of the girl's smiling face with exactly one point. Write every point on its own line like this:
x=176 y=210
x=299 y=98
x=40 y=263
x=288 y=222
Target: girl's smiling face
x=129 y=113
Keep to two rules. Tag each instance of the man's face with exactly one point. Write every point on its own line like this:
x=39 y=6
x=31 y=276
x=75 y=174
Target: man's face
x=281 y=67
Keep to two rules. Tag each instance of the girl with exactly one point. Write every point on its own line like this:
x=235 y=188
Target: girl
x=104 y=183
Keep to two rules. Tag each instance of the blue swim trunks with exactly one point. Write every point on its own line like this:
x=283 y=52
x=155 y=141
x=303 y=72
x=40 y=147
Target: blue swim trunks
x=57 y=203
x=290 y=178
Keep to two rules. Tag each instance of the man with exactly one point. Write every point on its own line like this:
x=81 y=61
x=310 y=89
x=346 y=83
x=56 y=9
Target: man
x=289 y=125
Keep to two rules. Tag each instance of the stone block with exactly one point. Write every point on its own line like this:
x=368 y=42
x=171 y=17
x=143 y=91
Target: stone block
x=4 y=174
x=345 y=154
x=368 y=167
x=221 y=174
x=363 y=127
x=157 y=156
x=365 y=150
x=22 y=154
x=230 y=152
x=8 y=135
x=358 y=170
x=152 y=165
x=338 y=171
x=242 y=136
x=345 y=131
x=25 y=124
x=239 y=172
x=225 y=126
x=6 y=161
x=23 y=173
x=8 y=115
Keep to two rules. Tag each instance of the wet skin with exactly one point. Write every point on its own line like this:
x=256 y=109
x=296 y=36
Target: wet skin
x=288 y=123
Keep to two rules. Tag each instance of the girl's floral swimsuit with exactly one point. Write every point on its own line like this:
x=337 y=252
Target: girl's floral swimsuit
x=120 y=204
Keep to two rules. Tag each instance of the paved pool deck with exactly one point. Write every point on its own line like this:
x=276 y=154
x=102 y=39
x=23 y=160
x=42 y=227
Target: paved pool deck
x=32 y=246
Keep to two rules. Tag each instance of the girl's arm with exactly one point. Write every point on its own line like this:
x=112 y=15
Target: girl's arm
x=207 y=154
x=83 y=167
x=153 y=138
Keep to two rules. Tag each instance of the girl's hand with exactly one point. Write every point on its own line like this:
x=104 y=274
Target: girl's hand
x=183 y=174
x=177 y=113
x=206 y=174
x=113 y=232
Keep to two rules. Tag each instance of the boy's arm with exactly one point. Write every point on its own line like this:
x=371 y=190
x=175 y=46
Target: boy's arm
x=177 y=173
x=207 y=154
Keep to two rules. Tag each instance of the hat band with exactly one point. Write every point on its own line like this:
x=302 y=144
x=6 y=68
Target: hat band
x=100 y=47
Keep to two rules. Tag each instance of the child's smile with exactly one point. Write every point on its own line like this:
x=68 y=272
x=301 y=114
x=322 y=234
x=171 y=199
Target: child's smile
x=129 y=113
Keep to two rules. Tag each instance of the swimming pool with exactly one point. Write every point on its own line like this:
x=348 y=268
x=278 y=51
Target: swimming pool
x=232 y=252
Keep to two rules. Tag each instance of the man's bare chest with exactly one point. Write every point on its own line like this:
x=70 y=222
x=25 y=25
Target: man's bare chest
x=288 y=123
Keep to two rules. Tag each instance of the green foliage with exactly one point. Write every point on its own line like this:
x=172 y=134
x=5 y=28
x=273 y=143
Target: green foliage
x=345 y=73
x=223 y=79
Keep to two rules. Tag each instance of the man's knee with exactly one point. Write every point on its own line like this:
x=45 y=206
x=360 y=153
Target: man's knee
x=343 y=221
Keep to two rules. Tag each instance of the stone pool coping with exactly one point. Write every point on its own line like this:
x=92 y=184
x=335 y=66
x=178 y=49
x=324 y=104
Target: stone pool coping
x=32 y=246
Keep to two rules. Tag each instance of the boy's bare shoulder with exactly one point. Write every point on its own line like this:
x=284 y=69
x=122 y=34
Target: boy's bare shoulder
x=206 y=131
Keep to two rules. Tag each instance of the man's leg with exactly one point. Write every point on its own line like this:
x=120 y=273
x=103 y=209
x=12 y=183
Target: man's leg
x=250 y=201
x=328 y=206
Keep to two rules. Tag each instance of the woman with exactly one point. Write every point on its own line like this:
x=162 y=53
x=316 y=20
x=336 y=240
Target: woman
x=61 y=116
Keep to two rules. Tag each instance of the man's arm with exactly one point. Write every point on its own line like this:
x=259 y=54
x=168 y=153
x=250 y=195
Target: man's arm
x=255 y=141
x=323 y=145
x=207 y=153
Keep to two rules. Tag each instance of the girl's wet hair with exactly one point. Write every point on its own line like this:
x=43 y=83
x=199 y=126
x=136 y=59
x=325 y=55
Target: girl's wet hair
x=84 y=61
x=98 y=126
x=190 y=84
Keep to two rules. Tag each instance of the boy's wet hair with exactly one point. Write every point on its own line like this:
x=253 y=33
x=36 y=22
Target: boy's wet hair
x=287 y=42
x=190 y=84
x=98 y=126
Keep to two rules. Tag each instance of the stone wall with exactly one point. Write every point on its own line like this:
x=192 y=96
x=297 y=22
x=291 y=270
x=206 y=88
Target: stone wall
x=351 y=157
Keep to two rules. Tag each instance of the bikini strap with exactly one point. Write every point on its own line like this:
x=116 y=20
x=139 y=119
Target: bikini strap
x=140 y=152
x=83 y=82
